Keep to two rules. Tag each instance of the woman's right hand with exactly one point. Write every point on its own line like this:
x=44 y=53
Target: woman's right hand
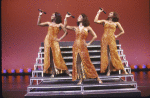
x=40 y=13
x=67 y=16
x=100 y=10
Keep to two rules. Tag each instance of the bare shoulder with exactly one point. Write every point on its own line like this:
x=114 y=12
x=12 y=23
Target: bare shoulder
x=89 y=27
x=117 y=23
x=104 y=21
x=75 y=27
x=50 y=23
x=61 y=24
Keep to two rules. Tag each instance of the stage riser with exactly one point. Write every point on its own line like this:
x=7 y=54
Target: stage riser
x=87 y=85
x=60 y=85
x=47 y=79
x=66 y=49
x=78 y=90
x=134 y=93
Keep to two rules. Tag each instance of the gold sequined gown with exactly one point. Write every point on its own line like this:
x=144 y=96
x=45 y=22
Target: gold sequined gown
x=108 y=38
x=49 y=42
x=80 y=50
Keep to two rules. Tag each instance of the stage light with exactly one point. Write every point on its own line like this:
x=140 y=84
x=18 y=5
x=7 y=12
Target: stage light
x=144 y=66
x=21 y=70
x=135 y=66
x=13 y=71
x=29 y=70
x=4 y=71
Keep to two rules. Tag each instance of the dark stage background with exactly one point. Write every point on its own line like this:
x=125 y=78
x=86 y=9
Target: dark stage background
x=21 y=37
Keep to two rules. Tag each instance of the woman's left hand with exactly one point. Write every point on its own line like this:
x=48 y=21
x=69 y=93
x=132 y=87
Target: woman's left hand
x=87 y=44
x=56 y=39
x=115 y=36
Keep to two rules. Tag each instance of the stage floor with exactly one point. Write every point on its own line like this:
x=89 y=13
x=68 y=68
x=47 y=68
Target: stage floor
x=16 y=86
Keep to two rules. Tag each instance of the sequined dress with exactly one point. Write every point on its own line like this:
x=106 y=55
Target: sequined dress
x=108 y=38
x=52 y=46
x=80 y=50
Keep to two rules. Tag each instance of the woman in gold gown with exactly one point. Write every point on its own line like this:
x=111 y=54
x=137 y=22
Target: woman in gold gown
x=109 y=38
x=82 y=65
x=53 y=61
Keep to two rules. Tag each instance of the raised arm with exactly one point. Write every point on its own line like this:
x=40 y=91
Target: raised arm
x=96 y=18
x=121 y=30
x=39 y=21
x=65 y=23
x=65 y=32
x=93 y=34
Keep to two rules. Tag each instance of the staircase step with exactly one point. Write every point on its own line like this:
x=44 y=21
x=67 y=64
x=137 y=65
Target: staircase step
x=70 y=68
x=89 y=94
x=84 y=84
x=70 y=57
x=90 y=46
x=90 y=51
x=70 y=63
x=70 y=78
x=86 y=87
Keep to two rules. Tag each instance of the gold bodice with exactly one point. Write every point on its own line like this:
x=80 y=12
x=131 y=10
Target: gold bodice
x=52 y=32
x=80 y=38
x=109 y=29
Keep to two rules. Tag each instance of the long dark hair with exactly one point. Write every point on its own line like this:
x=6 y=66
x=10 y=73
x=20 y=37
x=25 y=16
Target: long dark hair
x=58 y=18
x=85 y=21
x=115 y=17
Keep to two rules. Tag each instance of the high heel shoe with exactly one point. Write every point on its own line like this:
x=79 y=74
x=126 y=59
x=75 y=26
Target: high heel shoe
x=99 y=80
x=52 y=76
x=70 y=75
x=108 y=74
x=79 y=82
x=125 y=72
